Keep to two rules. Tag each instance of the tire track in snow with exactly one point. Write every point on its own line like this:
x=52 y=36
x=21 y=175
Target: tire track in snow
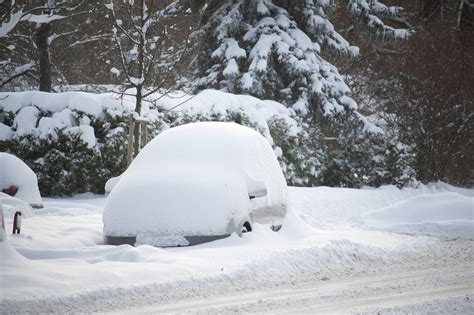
x=346 y=296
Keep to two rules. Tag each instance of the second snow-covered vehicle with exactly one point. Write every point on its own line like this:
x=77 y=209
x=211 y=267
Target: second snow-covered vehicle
x=196 y=183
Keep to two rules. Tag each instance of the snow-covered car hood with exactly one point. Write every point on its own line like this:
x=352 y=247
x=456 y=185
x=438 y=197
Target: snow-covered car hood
x=166 y=201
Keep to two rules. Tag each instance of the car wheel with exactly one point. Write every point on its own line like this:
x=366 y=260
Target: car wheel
x=246 y=227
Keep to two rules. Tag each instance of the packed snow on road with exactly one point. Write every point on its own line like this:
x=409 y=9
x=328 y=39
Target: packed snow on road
x=339 y=250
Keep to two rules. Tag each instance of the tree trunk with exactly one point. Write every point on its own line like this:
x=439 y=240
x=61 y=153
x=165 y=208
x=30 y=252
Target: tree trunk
x=430 y=7
x=465 y=18
x=140 y=74
x=42 y=44
x=138 y=109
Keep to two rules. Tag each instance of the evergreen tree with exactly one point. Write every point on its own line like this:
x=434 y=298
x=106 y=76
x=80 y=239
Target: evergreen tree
x=274 y=49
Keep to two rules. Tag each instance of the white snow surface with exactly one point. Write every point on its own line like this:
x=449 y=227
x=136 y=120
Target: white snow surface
x=158 y=196
x=9 y=205
x=14 y=172
x=332 y=238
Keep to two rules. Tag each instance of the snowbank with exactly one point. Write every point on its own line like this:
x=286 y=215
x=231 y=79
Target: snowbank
x=195 y=180
x=14 y=172
x=437 y=208
x=442 y=213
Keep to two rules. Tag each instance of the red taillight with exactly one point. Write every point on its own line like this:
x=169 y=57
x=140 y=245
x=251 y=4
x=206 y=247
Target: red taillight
x=12 y=190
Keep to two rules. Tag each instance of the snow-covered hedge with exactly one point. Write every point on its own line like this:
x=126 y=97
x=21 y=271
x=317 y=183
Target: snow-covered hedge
x=76 y=141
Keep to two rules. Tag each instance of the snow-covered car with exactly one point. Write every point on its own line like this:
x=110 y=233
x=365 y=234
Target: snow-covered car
x=196 y=183
x=18 y=180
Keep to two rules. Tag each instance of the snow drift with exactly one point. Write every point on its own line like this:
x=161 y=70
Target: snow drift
x=447 y=213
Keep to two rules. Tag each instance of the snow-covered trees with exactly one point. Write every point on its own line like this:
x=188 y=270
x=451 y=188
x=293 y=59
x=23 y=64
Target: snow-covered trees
x=272 y=49
x=141 y=36
x=282 y=50
x=29 y=31
x=306 y=54
x=421 y=89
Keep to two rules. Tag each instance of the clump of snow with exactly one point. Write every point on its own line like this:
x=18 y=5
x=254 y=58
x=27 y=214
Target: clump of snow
x=195 y=180
x=14 y=172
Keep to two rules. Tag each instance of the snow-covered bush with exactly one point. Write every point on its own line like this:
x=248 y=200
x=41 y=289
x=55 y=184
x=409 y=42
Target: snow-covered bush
x=301 y=155
x=73 y=141
x=376 y=159
x=65 y=164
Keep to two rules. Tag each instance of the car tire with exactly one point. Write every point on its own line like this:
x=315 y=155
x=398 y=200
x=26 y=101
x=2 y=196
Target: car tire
x=246 y=227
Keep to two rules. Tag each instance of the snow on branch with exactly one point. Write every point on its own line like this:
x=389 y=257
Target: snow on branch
x=273 y=37
x=372 y=12
x=316 y=23
x=18 y=72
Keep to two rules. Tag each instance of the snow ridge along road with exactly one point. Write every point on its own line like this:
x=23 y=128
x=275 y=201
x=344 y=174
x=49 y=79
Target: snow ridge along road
x=364 y=294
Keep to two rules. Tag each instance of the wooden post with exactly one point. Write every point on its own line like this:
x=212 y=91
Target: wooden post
x=131 y=128
x=144 y=133
x=142 y=124
x=3 y=235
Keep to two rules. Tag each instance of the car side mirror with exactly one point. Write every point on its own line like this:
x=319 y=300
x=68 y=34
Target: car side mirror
x=258 y=193
x=256 y=188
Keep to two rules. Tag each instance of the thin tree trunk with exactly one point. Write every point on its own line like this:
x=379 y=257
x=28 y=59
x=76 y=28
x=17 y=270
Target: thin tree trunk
x=138 y=109
x=429 y=8
x=441 y=10
x=140 y=74
x=42 y=35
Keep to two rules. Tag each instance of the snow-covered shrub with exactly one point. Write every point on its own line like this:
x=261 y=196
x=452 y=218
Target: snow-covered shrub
x=301 y=155
x=73 y=141
x=373 y=160
x=65 y=164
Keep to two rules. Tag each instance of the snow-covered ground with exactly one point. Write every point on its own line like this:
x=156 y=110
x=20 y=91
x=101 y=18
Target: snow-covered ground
x=339 y=251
